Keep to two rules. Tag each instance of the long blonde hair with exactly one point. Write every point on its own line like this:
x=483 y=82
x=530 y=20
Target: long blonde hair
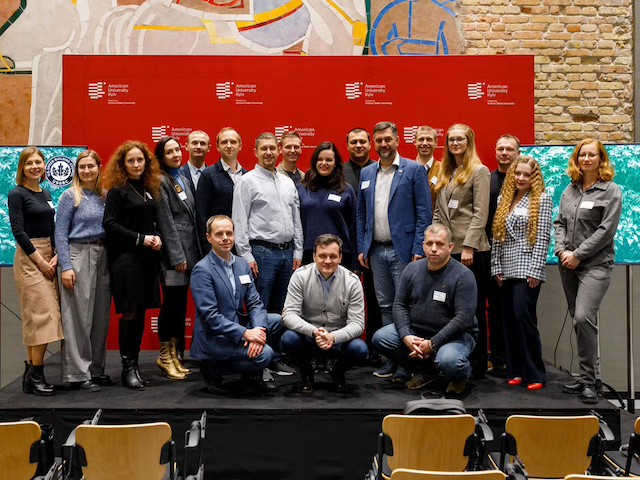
x=508 y=193
x=76 y=188
x=469 y=162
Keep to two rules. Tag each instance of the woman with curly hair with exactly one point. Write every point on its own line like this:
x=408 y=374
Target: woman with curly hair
x=327 y=203
x=462 y=187
x=584 y=229
x=521 y=235
x=85 y=300
x=133 y=246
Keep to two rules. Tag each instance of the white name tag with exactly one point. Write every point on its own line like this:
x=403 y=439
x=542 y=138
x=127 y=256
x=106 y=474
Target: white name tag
x=434 y=180
x=244 y=279
x=586 y=204
x=149 y=196
x=50 y=203
x=521 y=211
x=334 y=198
x=365 y=184
x=439 y=296
x=453 y=204
x=182 y=196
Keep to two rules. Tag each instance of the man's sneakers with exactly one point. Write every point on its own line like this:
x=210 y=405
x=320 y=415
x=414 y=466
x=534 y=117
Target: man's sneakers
x=588 y=393
x=420 y=380
x=456 y=386
x=280 y=368
x=385 y=371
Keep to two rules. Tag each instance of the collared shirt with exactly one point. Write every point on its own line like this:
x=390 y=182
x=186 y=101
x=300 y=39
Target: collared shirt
x=266 y=207
x=384 y=178
x=326 y=284
x=228 y=269
x=427 y=166
x=235 y=176
x=195 y=173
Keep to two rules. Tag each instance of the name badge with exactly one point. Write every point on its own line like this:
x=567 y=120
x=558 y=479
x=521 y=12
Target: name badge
x=50 y=203
x=149 y=196
x=453 y=204
x=521 y=211
x=439 y=296
x=587 y=204
x=434 y=180
x=365 y=184
x=244 y=279
x=334 y=198
x=182 y=196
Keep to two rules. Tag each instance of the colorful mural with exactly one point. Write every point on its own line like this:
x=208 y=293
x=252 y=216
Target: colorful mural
x=34 y=34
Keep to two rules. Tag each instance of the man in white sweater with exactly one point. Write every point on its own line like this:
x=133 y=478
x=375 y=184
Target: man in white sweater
x=324 y=311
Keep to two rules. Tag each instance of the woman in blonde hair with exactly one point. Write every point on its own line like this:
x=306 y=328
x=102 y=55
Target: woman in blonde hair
x=34 y=266
x=584 y=229
x=462 y=187
x=85 y=300
x=133 y=247
x=521 y=234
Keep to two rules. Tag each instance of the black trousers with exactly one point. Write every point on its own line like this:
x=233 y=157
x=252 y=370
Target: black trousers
x=521 y=336
x=172 y=313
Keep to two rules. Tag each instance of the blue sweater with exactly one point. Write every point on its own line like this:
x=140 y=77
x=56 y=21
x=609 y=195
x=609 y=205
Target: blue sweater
x=326 y=211
x=416 y=312
x=81 y=224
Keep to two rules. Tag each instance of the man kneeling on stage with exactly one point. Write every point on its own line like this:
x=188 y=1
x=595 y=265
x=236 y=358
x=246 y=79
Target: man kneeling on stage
x=433 y=314
x=324 y=311
x=232 y=328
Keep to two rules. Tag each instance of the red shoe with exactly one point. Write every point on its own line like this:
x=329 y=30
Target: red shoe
x=515 y=381
x=535 y=386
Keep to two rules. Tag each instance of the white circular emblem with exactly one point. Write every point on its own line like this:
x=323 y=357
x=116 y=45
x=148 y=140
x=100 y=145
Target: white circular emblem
x=59 y=171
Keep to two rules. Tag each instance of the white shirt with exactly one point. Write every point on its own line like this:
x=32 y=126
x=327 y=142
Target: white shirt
x=235 y=176
x=266 y=207
x=195 y=173
x=384 y=178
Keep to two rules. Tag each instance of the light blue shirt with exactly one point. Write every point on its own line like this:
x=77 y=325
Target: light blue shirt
x=228 y=268
x=326 y=284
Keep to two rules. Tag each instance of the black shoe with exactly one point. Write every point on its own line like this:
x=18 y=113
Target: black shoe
x=577 y=387
x=253 y=385
x=87 y=386
x=129 y=374
x=214 y=384
x=306 y=378
x=305 y=386
x=589 y=395
x=280 y=368
x=385 y=371
x=337 y=375
x=103 y=380
x=36 y=383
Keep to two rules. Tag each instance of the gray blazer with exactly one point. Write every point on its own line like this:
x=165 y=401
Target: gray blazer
x=468 y=221
x=177 y=227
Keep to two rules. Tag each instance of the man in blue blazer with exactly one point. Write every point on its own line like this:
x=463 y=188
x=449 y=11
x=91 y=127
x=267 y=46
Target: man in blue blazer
x=198 y=145
x=232 y=325
x=394 y=209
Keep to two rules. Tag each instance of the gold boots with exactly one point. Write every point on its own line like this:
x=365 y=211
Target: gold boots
x=174 y=354
x=167 y=364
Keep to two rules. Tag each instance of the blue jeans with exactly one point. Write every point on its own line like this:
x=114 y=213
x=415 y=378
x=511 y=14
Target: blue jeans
x=452 y=359
x=386 y=267
x=301 y=348
x=274 y=271
x=239 y=361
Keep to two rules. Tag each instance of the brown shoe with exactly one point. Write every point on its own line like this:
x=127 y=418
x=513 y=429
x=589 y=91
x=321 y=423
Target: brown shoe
x=456 y=386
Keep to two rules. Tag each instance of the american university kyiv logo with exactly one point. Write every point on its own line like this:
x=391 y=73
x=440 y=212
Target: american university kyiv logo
x=352 y=90
x=409 y=133
x=223 y=90
x=158 y=132
x=96 y=90
x=475 y=91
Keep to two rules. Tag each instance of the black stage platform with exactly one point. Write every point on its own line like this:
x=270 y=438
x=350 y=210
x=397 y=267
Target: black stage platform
x=286 y=435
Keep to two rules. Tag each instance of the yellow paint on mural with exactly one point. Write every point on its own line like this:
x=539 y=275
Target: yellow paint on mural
x=278 y=12
x=359 y=33
x=341 y=12
x=74 y=1
x=213 y=34
x=4 y=62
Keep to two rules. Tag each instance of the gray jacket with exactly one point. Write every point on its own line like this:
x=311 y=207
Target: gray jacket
x=305 y=308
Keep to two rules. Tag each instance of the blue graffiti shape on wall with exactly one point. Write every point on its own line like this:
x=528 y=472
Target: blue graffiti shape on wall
x=393 y=36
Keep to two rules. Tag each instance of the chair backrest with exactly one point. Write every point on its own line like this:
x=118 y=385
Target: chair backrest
x=16 y=439
x=636 y=426
x=428 y=442
x=586 y=477
x=123 y=451
x=408 y=474
x=553 y=447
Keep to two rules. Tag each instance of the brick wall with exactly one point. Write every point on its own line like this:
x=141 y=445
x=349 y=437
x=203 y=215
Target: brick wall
x=583 y=60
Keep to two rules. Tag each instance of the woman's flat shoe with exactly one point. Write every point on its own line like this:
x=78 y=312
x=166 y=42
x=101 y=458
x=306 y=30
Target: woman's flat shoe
x=515 y=381
x=535 y=386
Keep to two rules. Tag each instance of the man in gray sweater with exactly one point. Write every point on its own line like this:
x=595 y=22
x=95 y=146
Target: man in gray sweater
x=324 y=311
x=433 y=314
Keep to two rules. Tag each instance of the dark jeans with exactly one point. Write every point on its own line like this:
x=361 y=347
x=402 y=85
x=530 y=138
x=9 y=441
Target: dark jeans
x=275 y=268
x=301 y=349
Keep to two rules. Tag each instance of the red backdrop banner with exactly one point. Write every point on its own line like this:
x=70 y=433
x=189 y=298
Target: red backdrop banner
x=109 y=99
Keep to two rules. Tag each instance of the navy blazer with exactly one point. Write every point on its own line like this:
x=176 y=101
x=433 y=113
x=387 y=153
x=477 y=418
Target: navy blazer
x=220 y=319
x=214 y=197
x=409 y=209
x=185 y=172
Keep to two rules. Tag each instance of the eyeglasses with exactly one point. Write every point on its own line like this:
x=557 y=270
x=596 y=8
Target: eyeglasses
x=588 y=155
x=458 y=140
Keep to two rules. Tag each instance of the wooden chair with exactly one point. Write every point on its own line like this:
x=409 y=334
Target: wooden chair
x=408 y=474
x=139 y=452
x=19 y=447
x=550 y=447
x=626 y=463
x=425 y=442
